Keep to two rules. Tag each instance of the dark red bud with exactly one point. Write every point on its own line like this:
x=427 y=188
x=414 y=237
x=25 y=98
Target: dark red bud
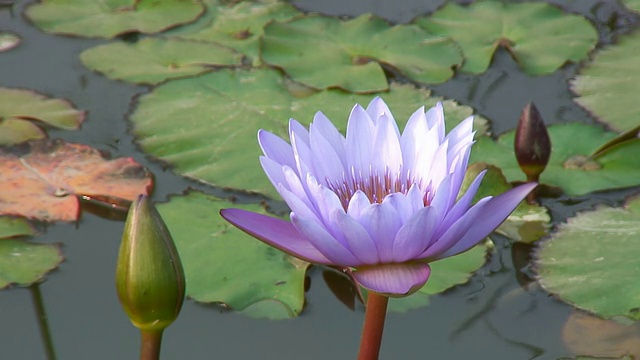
x=532 y=143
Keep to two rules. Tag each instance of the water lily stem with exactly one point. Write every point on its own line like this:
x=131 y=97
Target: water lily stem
x=373 y=326
x=43 y=324
x=150 y=344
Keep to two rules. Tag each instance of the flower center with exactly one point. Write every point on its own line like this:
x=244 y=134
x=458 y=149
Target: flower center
x=375 y=185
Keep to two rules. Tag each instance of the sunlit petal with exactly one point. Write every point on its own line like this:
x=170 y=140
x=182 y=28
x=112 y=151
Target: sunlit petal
x=275 y=232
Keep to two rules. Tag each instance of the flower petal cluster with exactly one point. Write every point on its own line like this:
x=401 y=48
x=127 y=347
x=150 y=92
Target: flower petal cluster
x=377 y=203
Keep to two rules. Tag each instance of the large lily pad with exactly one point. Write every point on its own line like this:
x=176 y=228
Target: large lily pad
x=21 y=111
x=154 y=60
x=445 y=274
x=206 y=126
x=571 y=166
x=42 y=179
x=223 y=264
x=23 y=263
x=238 y=26
x=539 y=36
x=325 y=52
x=607 y=85
x=632 y=4
x=109 y=18
x=591 y=261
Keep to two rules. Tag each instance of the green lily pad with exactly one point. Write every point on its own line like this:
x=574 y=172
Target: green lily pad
x=206 y=126
x=8 y=40
x=23 y=263
x=527 y=223
x=223 y=264
x=15 y=226
x=591 y=261
x=238 y=26
x=633 y=5
x=22 y=110
x=445 y=274
x=606 y=86
x=14 y=131
x=324 y=52
x=571 y=167
x=539 y=36
x=109 y=18
x=154 y=60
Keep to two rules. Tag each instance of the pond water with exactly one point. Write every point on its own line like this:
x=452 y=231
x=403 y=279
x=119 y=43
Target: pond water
x=497 y=315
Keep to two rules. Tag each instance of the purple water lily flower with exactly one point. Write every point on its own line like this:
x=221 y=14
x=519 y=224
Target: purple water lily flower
x=379 y=204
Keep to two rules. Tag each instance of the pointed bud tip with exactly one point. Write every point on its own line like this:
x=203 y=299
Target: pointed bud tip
x=149 y=276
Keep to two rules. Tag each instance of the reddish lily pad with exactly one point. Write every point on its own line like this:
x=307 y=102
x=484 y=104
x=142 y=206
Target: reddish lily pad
x=21 y=112
x=109 y=18
x=42 y=179
x=601 y=339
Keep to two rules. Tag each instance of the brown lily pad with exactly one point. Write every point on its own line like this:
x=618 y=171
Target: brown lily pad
x=590 y=335
x=43 y=179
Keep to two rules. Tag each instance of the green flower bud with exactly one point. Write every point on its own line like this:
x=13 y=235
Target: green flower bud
x=149 y=276
x=532 y=143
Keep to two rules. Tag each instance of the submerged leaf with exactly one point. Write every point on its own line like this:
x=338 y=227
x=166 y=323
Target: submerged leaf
x=206 y=126
x=591 y=261
x=222 y=264
x=153 y=60
x=109 y=18
x=608 y=85
x=539 y=36
x=601 y=339
x=325 y=52
x=41 y=179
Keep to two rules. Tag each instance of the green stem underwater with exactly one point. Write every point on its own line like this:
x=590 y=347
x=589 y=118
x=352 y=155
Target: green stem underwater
x=43 y=324
x=150 y=344
x=373 y=326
